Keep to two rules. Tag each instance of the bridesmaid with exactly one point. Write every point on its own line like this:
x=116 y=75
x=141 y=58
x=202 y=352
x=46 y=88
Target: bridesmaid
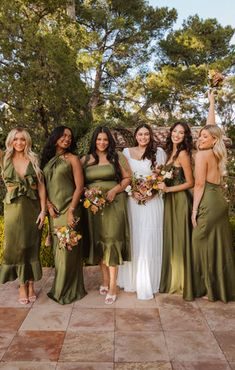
x=176 y=263
x=212 y=251
x=142 y=274
x=24 y=213
x=109 y=230
x=64 y=185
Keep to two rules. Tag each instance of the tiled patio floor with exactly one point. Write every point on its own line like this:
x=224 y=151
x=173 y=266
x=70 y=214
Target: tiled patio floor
x=163 y=333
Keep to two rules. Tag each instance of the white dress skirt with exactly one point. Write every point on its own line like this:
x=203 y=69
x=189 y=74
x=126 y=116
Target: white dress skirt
x=142 y=274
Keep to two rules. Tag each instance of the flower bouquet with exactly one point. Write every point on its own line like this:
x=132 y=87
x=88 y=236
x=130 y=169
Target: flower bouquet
x=67 y=236
x=142 y=188
x=95 y=199
x=216 y=80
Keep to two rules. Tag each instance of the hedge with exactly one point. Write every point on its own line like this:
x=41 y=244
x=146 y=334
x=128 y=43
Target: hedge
x=46 y=253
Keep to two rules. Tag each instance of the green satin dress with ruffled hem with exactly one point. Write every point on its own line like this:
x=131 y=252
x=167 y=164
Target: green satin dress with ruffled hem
x=109 y=237
x=212 y=249
x=68 y=285
x=21 y=235
x=176 y=274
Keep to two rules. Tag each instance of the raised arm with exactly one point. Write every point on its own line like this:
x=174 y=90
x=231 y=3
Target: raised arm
x=211 y=114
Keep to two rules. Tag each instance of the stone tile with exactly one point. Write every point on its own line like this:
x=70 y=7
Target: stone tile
x=200 y=365
x=35 y=346
x=88 y=346
x=92 y=277
x=129 y=300
x=140 y=346
x=220 y=317
x=85 y=366
x=226 y=340
x=177 y=314
x=5 y=341
x=48 y=318
x=143 y=366
x=22 y=365
x=90 y=319
x=11 y=318
x=193 y=345
x=137 y=319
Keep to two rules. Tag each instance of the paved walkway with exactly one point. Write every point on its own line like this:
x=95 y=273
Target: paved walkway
x=163 y=333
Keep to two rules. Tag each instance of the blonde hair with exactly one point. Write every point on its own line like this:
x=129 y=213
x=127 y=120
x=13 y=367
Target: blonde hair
x=28 y=153
x=219 y=148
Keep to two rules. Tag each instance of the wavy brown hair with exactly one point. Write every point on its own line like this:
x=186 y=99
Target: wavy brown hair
x=186 y=144
x=150 y=151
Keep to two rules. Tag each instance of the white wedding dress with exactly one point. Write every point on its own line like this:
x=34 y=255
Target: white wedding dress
x=142 y=274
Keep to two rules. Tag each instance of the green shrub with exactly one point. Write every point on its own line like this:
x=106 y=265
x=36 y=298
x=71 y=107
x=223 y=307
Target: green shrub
x=46 y=253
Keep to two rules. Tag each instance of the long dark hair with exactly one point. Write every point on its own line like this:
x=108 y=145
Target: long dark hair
x=111 y=155
x=49 y=149
x=186 y=144
x=150 y=151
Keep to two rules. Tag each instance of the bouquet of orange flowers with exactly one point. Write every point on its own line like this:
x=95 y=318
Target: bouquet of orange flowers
x=67 y=236
x=95 y=199
x=216 y=80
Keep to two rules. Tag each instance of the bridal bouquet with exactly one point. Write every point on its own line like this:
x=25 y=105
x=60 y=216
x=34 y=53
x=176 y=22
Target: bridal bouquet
x=216 y=80
x=142 y=188
x=67 y=237
x=95 y=199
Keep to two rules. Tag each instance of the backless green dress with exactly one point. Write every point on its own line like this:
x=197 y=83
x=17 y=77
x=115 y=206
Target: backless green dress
x=109 y=236
x=22 y=237
x=212 y=250
x=68 y=284
x=176 y=275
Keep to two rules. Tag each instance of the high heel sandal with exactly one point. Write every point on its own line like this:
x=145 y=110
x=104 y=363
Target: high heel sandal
x=103 y=289
x=33 y=297
x=110 y=298
x=23 y=300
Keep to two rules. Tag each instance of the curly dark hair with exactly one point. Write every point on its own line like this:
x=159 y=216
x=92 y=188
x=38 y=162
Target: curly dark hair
x=111 y=155
x=150 y=151
x=186 y=144
x=49 y=149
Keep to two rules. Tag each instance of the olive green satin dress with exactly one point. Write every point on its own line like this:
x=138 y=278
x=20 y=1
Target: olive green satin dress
x=21 y=235
x=68 y=284
x=109 y=237
x=212 y=251
x=176 y=275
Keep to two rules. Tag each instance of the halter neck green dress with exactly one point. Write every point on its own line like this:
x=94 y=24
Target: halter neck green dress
x=22 y=237
x=68 y=284
x=109 y=237
x=212 y=250
x=176 y=275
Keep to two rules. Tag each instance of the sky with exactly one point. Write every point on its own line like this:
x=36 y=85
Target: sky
x=222 y=10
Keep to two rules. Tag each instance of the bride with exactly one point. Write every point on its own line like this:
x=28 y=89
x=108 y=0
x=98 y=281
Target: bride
x=142 y=275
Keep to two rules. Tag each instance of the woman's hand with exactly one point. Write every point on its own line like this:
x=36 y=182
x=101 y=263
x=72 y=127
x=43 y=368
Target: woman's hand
x=211 y=96
x=162 y=186
x=110 y=195
x=70 y=218
x=53 y=212
x=194 y=219
x=41 y=219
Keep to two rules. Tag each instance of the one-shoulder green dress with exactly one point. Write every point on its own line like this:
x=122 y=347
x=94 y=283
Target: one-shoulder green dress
x=22 y=237
x=176 y=275
x=68 y=284
x=212 y=250
x=109 y=236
